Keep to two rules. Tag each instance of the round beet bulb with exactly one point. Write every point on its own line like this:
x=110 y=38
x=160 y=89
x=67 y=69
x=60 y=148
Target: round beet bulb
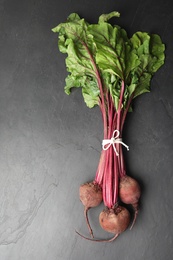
x=129 y=193
x=115 y=220
x=90 y=195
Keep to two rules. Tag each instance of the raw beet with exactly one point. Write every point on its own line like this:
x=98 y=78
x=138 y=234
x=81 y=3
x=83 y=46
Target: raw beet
x=90 y=195
x=115 y=220
x=129 y=193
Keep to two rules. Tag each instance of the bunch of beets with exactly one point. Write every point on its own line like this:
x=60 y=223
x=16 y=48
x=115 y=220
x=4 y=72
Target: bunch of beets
x=111 y=70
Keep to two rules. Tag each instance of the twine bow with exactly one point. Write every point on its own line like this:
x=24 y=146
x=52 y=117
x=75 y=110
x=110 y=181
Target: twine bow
x=106 y=143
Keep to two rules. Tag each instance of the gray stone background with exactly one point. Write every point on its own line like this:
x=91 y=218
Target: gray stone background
x=50 y=143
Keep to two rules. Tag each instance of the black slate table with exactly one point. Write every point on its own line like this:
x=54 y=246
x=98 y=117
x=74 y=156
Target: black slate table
x=50 y=143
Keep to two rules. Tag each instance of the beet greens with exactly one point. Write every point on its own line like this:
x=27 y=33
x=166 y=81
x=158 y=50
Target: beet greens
x=111 y=70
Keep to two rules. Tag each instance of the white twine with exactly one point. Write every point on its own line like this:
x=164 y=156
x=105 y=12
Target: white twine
x=106 y=143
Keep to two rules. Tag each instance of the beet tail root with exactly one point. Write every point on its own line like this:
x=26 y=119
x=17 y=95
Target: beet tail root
x=98 y=240
x=135 y=207
x=87 y=221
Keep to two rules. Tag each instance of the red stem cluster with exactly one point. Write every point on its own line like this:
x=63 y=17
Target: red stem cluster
x=111 y=167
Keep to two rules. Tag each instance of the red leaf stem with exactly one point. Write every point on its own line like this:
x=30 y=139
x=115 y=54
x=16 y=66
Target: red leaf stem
x=100 y=85
x=116 y=179
x=126 y=110
x=120 y=106
x=111 y=167
x=101 y=168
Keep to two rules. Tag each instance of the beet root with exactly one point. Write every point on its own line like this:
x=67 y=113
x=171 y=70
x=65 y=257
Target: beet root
x=98 y=240
x=90 y=195
x=115 y=220
x=129 y=193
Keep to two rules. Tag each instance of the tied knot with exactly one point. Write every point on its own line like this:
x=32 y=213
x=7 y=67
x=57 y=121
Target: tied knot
x=115 y=139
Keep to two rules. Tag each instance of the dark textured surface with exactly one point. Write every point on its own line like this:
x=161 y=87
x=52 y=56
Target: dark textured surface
x=50 y=143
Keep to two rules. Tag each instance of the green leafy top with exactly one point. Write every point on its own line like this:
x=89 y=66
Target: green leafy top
x=101 y=56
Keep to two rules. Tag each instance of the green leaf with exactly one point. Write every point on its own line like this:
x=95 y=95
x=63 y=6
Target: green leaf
x=101 y=56
x=113 y=84
x=110 y=47
x=157 y=50
x=72 y=81
x=78 y=44
x=114 y=50
x=150 y=52
x=90 y=90
x=77 y=61
x=90 y=93
x=106 y=17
